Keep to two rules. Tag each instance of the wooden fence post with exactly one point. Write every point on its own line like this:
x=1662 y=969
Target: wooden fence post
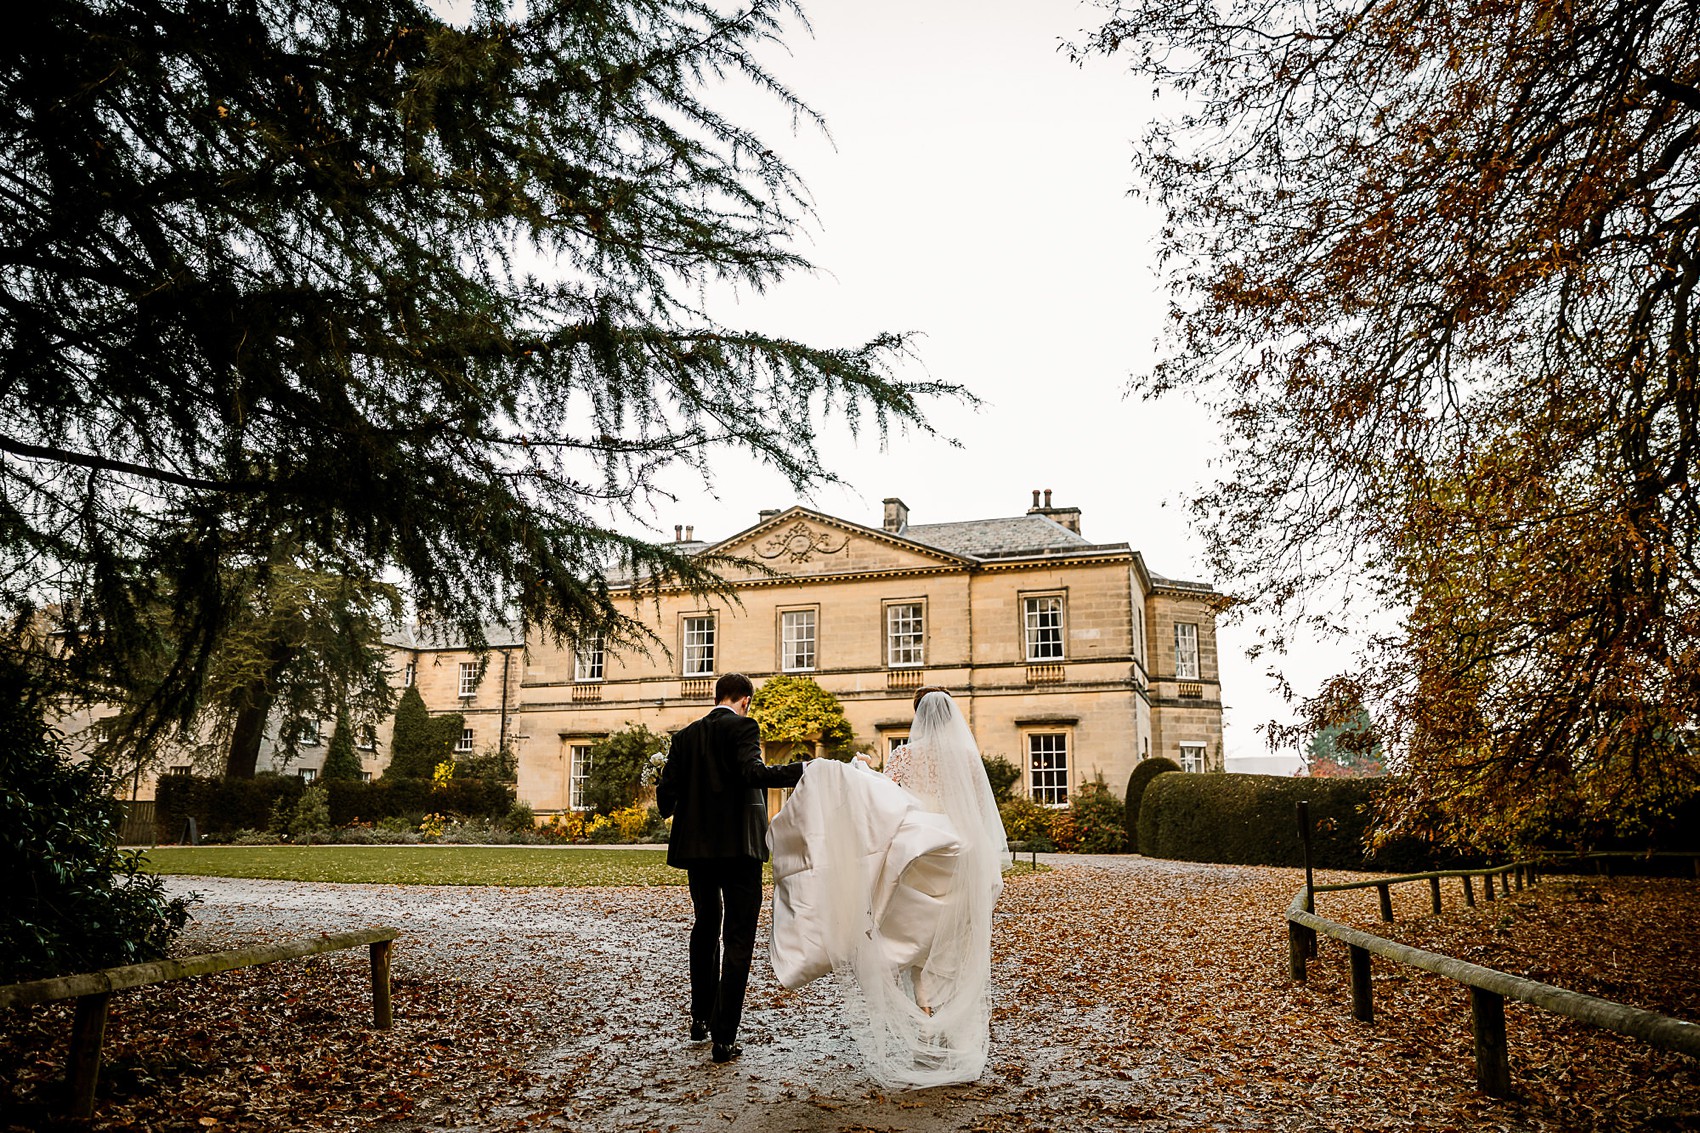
x=1487 y=1020
x=1386 y=902
x=1363 y=1001
x=1297 y=947
x=1487 y=886
x=1310 y=890
x=1505 y=884
x=1434 y=894
x=382 y=1017
x=1469 y=893
x=88 y=1035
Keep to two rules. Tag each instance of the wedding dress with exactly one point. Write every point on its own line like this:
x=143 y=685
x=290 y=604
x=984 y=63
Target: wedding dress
x=891 y=885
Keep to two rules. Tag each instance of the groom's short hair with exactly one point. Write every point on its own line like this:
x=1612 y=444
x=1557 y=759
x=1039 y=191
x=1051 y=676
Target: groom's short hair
x=732 y=686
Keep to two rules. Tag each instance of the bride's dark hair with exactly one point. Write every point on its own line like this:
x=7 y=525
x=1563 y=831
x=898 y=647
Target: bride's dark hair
x=925 y=689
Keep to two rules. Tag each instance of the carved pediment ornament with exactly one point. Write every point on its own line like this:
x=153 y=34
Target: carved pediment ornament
x=799 y=543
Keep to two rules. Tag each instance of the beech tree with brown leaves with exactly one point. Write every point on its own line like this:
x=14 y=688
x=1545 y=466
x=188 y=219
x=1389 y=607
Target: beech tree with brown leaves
x=1435 y=266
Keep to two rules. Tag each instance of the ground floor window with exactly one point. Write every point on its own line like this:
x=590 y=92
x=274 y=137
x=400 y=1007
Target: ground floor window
x=578 y=773
x=1192 y=757
x=1047 y=767
x=465 y=743
x=308 y=774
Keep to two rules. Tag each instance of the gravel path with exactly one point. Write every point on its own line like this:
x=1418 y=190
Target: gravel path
x=1129 y=993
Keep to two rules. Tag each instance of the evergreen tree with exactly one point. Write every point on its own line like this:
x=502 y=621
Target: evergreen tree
x=341 y=760
x=419 y=740
x=423 y=297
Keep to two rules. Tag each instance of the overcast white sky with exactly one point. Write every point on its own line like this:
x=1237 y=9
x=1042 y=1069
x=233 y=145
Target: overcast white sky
x=976 y=189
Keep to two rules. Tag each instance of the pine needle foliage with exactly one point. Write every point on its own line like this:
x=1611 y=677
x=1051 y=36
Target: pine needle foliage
x=426 y=297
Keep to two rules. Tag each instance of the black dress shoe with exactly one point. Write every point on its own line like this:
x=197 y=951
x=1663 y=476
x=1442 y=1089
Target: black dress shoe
x=726 y=1052
x=699 y=1030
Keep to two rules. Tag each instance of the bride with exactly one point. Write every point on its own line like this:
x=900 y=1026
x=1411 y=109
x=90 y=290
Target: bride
x=889 y=880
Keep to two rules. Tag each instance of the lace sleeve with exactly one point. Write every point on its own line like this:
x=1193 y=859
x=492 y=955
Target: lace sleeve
x=898 y=766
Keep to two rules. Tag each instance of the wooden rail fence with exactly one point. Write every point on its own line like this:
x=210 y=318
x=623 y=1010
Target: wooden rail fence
x=1488 y=988
x=93 y=993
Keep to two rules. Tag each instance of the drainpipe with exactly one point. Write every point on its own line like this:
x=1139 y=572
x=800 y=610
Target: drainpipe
x=502 y=728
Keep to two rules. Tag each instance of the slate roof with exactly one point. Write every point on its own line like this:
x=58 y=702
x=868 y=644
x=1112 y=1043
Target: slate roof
x=999 y=538
x=412 y=635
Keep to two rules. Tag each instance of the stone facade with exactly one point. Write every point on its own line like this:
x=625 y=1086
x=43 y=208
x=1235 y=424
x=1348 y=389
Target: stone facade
x=1069 y=658
x=1062 y=652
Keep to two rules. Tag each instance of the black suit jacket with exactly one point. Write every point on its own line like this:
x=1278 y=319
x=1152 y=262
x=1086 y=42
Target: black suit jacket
x=713 y=788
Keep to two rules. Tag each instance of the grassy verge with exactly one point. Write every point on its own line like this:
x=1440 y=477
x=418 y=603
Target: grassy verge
x=433 y=865
x=422 y=865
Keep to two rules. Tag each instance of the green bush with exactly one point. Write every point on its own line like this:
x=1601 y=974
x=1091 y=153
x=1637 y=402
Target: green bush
x=1252 y=820
x=1025 y=820
x=1098 y=820
x=1002 y=775
x=310 y=818
x=1143 y=773
x=75 y=901
x=617 y=766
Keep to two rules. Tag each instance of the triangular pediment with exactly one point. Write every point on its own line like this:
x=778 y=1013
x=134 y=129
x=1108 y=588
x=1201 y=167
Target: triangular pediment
x=801 y=542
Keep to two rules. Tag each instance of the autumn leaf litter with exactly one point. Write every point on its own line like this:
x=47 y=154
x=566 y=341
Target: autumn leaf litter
x=1130 y=994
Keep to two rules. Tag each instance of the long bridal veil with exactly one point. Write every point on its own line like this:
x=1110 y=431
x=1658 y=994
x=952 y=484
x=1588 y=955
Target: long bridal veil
x=895 y=886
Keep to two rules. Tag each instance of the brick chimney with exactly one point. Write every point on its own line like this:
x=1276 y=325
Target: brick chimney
x=896 y=515
x=1069 y=517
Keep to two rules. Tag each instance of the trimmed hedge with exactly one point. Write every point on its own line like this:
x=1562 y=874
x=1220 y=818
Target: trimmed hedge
x=1145 y=771
x=224 y=806
x=220 y=806
x=1252 y=820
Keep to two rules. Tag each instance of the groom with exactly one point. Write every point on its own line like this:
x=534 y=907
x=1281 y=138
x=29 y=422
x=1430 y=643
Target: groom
x=713 y=788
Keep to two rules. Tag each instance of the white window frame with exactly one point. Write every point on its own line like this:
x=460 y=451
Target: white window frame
x=310 y=735
x=895 y=740
x=368 y=738
x=365 y=776
x=307 y=774
x=1042 y=614
x=409 y=674
x=588 y=662
x=468 y=680
x=697 y=633
x=906 y=634
x=1192 y=757
x=578 y=773
x=799 y=638
x=1186 y=651
x=465 y=741
x=1047 y=774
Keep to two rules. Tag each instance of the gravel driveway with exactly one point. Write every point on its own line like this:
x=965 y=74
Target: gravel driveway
x=1129 y=993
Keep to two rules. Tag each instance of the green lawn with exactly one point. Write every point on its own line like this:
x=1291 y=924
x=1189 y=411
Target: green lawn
x=422 y=865
x=435 y=865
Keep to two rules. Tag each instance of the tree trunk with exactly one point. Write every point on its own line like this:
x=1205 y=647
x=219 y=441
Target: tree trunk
x=243 y=757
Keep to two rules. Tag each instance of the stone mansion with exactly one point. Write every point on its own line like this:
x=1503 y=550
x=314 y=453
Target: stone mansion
x=1070 y=658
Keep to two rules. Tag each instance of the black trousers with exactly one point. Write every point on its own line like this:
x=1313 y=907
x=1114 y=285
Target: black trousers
x=726 y=895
